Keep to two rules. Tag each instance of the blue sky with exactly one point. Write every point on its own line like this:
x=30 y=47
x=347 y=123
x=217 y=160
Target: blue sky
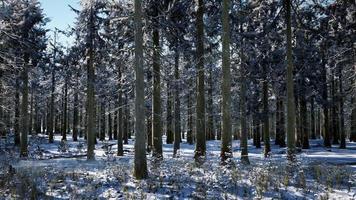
x=60 y=15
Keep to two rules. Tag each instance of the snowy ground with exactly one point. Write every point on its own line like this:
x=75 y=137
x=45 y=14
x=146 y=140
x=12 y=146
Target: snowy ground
x=51 y=172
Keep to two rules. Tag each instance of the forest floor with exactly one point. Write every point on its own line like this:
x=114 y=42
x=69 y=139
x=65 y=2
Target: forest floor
x=60 y=171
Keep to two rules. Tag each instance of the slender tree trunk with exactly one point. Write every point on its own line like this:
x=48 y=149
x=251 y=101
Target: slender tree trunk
x=334 y=111
x=280 y=125
x=102 y=122
x=200 y=147
x=156 y=93
x=169 y=133
x=326 y=134
x=318 y=123
x=17 y=112
x=290 y=87
x=65 y=108
x=120 y=147
x=30 y=128
x=110 y=123
x=304 y=121
x=91 y=90
x=226 y=143
x=341 y=112
x=24 y=109
x=177 y=124
x=312 y=119
x=140 y=164
x=76 y=110
x=210 y=119
x=115 y=124
x=266 y=135
x=243 y=108
x=190 y=112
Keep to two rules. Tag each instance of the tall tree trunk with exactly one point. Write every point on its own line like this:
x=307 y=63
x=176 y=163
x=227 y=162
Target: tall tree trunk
x=341 y=112
x=290 y=87
x=334 y=111
x=125 y=122
x=102 y=122
x=226 y=143
x=51 y=119
x=200 y=147
x=318 y=123
x=140 y=164
x=326 y=134
x=210 y=119
x=190 y=111
x=110 y=123
x=65 y=108
x=177 y=124
x=280 y=124
x=24 y=109
x=91 y=90
x=312 y=118
x=303 y=120
x=243 y=109
x=17 y=112
x=120 y=147
x=156 y=93
x=30 y=128
x=76 y=110
x=266 y=135
x=115 y=123
x=169 y=133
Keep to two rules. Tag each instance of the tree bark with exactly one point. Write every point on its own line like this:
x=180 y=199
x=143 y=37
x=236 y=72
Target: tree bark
x=140 y=163
x=24 y=109
x=341 y=112
x=290 y=87
x=91 y=90
x=17 y=113
x=177 y=124
x=200 y=147
x=156 y=93
x=120 y=127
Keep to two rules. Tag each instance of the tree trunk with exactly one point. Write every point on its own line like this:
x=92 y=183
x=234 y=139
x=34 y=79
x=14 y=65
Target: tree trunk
x=200 y=147
x=102 y=122
x=76 y=110
x=156 y=93
x=177 y=124
x=312 y=119
x=169 y=133
x=290 y=87
x=304 y=121
x=110 y=123
x=120 y=147
x=30 y=128
x=65 y=108
x=91 y=90
x=280 y=124
x=266 y=135
x=140 y=164
x=243 y=109
x=341 y=112
x=17 y=112
x=226 y=143
x=326 y=134
x=334 y=111
x=210 y=119
x=24 y=109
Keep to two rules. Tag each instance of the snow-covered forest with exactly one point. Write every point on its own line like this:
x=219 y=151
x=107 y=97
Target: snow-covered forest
x=179 y=99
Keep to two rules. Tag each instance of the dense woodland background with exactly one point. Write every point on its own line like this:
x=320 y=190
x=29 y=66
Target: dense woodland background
x=181 y=71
